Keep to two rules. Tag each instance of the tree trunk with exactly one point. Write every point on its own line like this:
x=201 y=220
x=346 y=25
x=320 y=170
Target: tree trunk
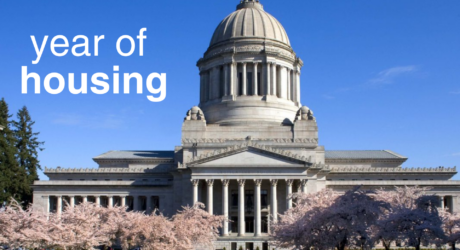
x=417 y=246
x=453 y=245
x=385 y=245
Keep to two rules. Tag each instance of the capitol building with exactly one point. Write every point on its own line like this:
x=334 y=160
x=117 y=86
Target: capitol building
x=248 y=145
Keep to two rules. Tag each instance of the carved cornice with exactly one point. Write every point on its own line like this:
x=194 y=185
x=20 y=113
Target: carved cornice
x=252 y=49
x=351 y=169
x=275 y=140
x=60 y=170
x=221 y=153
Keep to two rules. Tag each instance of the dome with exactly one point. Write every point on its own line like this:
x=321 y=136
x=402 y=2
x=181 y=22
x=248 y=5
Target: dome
x=249 y=21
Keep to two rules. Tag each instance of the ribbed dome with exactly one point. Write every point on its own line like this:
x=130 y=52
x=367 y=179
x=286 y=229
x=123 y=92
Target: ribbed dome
x=250 y=21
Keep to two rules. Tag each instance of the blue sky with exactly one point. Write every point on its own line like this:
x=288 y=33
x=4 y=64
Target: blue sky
x=378 y=74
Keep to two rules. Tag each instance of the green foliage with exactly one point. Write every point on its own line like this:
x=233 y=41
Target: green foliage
x=19 y=148
x=28 y=146
x=11 y=178
x=241 y=248
x=257 y=248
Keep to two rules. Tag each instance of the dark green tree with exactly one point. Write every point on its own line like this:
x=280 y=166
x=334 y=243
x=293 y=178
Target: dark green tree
x=27 y=145
x=11 y=177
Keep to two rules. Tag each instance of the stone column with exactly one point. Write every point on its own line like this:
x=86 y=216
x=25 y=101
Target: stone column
x=48 y=204
x=273 y=200
x=123 y=201
x=297 y=86
x=85 y=199
x=303 y=184
x=241 y=195
x=210 y=195
x=217 y=83
x=255 y=81
x=59 y=205
x=110 y=201
x=289 y=193
x=441 y=199
x=72 y=201
x=207 y=85
x=136 y=203
x=288 y=84
x=245 y=88
x=233 y=72
x=274 y=84
x=225 y=184
x=258 y=208
x=212 y=84
x=98 y=200
x=226 y=79
x=282 y=84
x=195 y=183
x=267 y=78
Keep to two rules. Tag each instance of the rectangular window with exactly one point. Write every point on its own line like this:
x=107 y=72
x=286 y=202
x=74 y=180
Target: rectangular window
x=249 y=83
x=249 y=200
x=240 y=83
x=156 y=202
x=234 y=224
x=143 y=203
x=234 y=246
x=264 y=198
x=249 y=222
x=264 y=224
x=234 y=199
x=104 y=201
x=259 y=85
x=130 y=203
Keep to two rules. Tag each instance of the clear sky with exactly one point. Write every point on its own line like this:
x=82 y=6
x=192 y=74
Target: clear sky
x=378 y=74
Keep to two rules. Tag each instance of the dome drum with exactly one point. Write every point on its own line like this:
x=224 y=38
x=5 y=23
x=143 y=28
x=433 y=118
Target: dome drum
x=250 y=72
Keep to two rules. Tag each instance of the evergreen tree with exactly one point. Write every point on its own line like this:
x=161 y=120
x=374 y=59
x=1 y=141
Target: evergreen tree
x=11 y=177
x=28 y=146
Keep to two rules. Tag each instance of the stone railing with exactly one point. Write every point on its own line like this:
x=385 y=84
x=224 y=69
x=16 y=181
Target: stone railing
x=273 y=140
x=60 y=170
x=393 y=170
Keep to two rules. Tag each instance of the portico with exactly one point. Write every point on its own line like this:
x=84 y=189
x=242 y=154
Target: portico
x=252 y=202
x=229 y=184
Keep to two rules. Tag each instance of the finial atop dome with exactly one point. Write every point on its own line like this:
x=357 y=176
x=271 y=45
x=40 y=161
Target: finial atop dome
x=250 y=4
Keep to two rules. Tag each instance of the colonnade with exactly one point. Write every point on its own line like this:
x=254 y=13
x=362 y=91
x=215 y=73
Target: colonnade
x=241 y=201
x=250 y=79
x=136 y=202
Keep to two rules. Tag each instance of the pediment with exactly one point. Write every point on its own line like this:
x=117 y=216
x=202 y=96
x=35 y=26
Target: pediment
x=249 y=155
x=248 y=158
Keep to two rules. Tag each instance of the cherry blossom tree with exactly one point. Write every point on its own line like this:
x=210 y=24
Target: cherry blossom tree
x=351 y=218
x=88 y=225
x=451 y=227
x=27 y=228
x=419 y=225
x=302 y=226
x=194 y=226
x=327 y=220
x=399 y=199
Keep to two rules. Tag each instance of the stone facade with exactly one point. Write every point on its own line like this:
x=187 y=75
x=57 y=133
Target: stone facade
x=248 y=145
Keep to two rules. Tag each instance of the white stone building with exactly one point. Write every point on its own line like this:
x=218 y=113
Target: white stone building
x=247 y=146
